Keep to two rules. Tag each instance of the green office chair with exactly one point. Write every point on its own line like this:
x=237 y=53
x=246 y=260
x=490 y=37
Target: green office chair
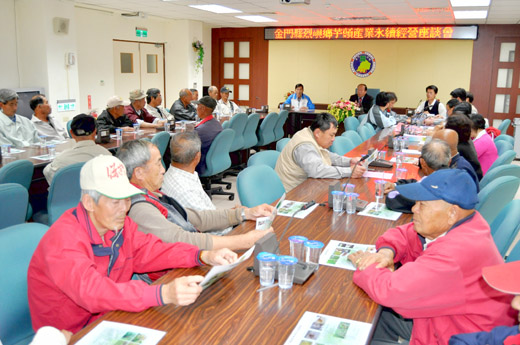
x=278 y=128
x=259 y=184
x=504 y=126
x=14 y=199
x=503 y=146
x=351 y=123
x=353 y=136
x=341 y=145
x=496 y=195
x=265 y=131
x=504 y=159
x=217 y=161
x=161 y=140
x=506 y=138
x=280 y=144
x=268 y=157
x=505 y=227
x=504 y=170
x=21 y=172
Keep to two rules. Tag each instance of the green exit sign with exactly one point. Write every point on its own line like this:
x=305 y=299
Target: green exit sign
x=66 y=105
x=141 y=32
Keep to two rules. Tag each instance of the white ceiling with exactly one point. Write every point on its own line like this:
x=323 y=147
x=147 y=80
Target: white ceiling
x=319 y=12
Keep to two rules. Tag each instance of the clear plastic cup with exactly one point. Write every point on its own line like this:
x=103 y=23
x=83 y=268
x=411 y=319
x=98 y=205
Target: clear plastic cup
x=43 y=141
x=399 y=159
x=351 y=199
x=402 y=144
x=51 y=149
x=348 y=187
x=286 y=268
x=380 y=193
x=6 y=150
x=136 y=127
x=395 y=143
x=166 y=126
x=313 y=252
x=119 y=133
x=381 y=155
x=401 y=173
x=267 y=265
x=296 y=245
x=337 y=200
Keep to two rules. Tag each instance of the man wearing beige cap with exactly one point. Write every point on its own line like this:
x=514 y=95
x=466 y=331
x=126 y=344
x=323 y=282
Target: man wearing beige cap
x=114 y=116
x=137 y=113
x=83 y=266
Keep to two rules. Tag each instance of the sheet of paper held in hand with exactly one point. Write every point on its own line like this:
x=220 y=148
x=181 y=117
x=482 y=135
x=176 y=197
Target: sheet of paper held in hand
x=264 y=223
x=328 y=330
x=218 y=272
x=288 y=208
x=336 y=253
x=383 y=212
x=108 y=332
x=378 y=174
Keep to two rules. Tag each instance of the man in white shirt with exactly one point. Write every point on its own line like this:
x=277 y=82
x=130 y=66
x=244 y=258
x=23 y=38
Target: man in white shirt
x=46 y=124
x=83 y=130
x=225 y=107
x=213 y=92
x=181 y=181
x=153 y=105
x=15 y=130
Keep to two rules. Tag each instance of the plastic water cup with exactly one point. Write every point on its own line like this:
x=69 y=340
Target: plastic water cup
x=136 y=127
x=296 y=245
x=402 y=144
x=399 y=159
x=337 y=200
x=119 y=133
x=401 y=173
x=166 y=126
x=395 y=143
x=348 y=187
x=380 y=193
x=381 y=155
x=313 y=252
x=43 y=141
x=268 y=264
x=351 y=202
x=286 y=268
x=52 y=151
x=6 y=150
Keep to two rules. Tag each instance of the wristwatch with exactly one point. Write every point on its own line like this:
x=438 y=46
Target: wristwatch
x=243 y=214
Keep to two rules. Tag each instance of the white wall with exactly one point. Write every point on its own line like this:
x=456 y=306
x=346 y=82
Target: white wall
x=8 y=54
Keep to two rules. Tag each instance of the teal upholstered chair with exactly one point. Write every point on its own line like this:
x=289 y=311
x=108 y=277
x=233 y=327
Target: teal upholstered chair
x=250 y=138
x=504 y=170
x=265 y=132
x=505 y=226
x=504 y=125
x=161 y=140
x=14 y=199
x=259 y=184
x=496 y=195
x=353 y=136
x=64 y=193
x=238 y=124
x=17 y=245
x=505 y=137
x=364 y=132
x=504 y=159
x=268 y=157
x=362 y=117
x=341 y=145
x=370 y=128
x=280 y=144
x=503 y=146
x=278 y=128
x=21 y=172
x=68 y=128
x=351 y=123
x=217 y=161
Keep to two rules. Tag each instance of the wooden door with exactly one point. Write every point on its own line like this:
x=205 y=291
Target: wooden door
x=235 y=69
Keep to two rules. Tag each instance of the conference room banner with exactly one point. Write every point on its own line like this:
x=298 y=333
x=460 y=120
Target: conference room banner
x=429 y=32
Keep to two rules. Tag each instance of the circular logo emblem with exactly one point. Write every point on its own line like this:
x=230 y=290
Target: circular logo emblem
x=363 y=64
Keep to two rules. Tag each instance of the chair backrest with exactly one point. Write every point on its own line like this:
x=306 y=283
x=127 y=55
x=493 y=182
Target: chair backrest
x=364 y=132
x=514 y=255
x=504 y=159
x=362 y=117
x=17 y=245
x=353 y=136
x=64 y=192
x=258 y=184
x=371 y=92
x=504 y=125
x=20 y=171
x=217 y=158
x=504 y=170
x=250 y=138
x=278 y=128
x=265 y=132
x=238 y=124
x=503 y=146
x=341 y=145
x=14 y=199
x=161 y=140
x=497 y=194
x=370 y=128
x=68 y=128
x=268 y=157
x=505 y=226
x=225 y=124
x=505 y=137
x=351 y=123
x=280 y=144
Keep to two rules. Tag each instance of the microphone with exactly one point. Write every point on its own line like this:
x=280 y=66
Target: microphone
x=419 y=105
x=355 y=165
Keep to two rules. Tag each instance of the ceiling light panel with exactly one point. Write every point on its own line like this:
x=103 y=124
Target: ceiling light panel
x=215 y=8
x=470 y=14
x=469 y=3
x=257 y=19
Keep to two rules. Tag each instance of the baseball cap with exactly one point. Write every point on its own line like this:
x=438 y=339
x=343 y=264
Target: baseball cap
x=136 y=95
x=504 y=277
x=225 y=89
x=454 y=186
x=107 y=176
x=83 y=125
x=207 y=101
x=114 y=101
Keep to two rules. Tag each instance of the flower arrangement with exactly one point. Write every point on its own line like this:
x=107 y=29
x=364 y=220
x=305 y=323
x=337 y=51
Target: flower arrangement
x=342 y=109
x=288 y=94
x=199 y=49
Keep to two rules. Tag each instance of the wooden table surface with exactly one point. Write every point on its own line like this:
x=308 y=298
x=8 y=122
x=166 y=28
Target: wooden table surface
x=232 y=312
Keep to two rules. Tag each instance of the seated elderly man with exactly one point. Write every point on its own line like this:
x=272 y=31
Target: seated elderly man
x=137 y=113
x=15 y=130
x=213 y=92
x=181 y=181
x=207 y=129
x=442 y=253
x=45 y=123
x=83 y=266
x=182 y=109
x=153 y=105
x=307 y=155
x=164 y=217
x=83 y=131
x=225 y=106
x=114 y=116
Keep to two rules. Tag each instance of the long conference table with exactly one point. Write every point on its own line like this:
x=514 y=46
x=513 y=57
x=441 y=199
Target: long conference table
x=232 y=311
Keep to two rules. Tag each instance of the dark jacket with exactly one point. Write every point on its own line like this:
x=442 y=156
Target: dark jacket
x=107 y=121
x=459 y=162
x=180 y=112
x=467 y=150
x=366 y=104
x=497 y=336
x=207 y=131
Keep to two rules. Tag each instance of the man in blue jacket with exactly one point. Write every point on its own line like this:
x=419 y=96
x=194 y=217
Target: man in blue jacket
x=298 y=100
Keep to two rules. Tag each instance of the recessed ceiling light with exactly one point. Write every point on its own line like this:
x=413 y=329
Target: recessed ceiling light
x=469 y=3
x=470 y=14
x=257 y=19
x=215 y=8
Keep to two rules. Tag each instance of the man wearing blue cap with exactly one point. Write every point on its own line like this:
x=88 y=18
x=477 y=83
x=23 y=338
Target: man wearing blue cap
x=439 y=285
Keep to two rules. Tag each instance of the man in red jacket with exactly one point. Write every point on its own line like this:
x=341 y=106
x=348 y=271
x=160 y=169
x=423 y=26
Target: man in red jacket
x=83 y=266
x=137 y=113
x=442 y=252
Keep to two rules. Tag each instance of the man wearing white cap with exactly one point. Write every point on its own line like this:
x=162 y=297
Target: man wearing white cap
x=225 y=106
x=137 y=113
x=114 y=116
x=83 y=266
